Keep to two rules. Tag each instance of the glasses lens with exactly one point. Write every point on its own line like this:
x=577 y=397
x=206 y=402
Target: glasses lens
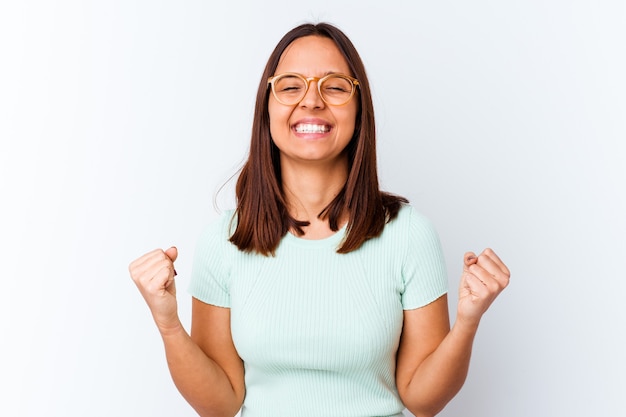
x=289 y=89
x=336 y=90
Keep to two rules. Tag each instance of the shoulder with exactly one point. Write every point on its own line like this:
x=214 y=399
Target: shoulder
x=408 y=230
x=212 y=262
x=216 y=233
x=410 y=221
x=411 y=233
x=221 y=226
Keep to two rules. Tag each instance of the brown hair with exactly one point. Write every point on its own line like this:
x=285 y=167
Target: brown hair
x=262 y=216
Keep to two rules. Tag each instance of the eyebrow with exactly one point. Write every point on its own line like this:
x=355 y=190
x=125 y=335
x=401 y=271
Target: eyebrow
x=331 y=73
x=323 y=75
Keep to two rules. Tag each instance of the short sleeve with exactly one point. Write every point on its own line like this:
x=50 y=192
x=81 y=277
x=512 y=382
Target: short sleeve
x=210 y=275
x=424 y=269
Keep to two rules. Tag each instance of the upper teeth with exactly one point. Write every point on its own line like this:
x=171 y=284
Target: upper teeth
x=311 y=128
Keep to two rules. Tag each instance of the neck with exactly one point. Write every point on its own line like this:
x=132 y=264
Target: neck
x=309 y=189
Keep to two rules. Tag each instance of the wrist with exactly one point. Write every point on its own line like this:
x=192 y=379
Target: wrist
x=170 y=326
x=466 y=325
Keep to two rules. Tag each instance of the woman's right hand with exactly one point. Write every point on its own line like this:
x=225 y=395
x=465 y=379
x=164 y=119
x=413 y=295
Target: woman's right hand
x=153 y=273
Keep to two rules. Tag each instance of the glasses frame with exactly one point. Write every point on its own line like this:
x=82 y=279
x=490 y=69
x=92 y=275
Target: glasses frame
x=319 y=81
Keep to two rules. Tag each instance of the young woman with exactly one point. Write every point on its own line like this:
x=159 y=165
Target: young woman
x=319 y=295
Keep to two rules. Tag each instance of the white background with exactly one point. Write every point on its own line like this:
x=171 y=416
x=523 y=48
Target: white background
x=502 y=121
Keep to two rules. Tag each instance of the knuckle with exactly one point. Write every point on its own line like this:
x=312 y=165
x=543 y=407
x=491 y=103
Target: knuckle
x=134 y=264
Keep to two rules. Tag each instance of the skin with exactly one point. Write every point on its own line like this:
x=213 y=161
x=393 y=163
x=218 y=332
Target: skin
x=205 y=361
x=432 y=359
x=314 y=166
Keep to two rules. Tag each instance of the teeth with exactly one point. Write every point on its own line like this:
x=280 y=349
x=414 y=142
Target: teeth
x=311 y=128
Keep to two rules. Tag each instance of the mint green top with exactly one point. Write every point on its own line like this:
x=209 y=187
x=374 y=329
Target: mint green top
x=318 y=331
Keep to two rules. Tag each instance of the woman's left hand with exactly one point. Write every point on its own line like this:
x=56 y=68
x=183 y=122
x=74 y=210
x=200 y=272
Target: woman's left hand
x=484 y=277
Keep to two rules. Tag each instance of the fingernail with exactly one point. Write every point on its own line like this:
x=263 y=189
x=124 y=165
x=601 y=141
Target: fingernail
x=471 y=258
x=175 y=273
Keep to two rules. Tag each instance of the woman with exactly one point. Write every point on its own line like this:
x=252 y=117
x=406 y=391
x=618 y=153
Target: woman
x=319 y=295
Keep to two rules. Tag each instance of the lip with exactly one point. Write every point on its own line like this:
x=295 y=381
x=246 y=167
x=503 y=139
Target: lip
x=312 y=121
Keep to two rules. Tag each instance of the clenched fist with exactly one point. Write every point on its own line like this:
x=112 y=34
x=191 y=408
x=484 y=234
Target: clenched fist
x=154 y=273
x=483 y=279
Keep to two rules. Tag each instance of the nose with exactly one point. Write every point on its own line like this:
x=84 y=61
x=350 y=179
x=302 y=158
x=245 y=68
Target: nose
x=312 y=98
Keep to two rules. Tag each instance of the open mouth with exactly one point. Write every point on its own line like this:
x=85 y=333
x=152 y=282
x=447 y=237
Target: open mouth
x=311 y=128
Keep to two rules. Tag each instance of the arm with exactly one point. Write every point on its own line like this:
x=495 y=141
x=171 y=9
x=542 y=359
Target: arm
x=432 y=360
x=204 y=366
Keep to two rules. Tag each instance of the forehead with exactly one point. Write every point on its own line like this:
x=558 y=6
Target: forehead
x=312 y=56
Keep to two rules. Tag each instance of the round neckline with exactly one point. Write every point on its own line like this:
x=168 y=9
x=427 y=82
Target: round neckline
x=332 y=240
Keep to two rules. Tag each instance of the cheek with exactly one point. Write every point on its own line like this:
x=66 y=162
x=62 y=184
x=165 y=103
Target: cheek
x=348 y=122
x=279 y=117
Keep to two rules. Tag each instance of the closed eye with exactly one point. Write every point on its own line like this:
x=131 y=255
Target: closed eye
x=290 y=88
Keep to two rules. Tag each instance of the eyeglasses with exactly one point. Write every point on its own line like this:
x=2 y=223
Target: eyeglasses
x=291 y=88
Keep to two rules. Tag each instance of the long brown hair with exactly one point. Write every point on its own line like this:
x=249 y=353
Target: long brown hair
x=262 y=216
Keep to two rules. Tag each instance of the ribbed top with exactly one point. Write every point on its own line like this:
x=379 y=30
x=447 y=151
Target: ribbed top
x=318 y=331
